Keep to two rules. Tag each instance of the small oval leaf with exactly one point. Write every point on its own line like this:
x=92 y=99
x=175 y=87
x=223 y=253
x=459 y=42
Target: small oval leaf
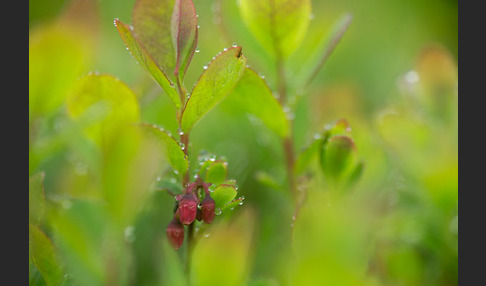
x=143 y=57
x=307 y=156
x=338 y=127
x=223 y=194
x=253 y=94
x=217 y=172
x=170 y=148
x=339 y=158
x=217 y=81
x=279 y=25
x=233 y=204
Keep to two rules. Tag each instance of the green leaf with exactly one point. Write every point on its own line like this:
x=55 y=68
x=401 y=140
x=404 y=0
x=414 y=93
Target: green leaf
x=233 y=203
x=79 y=229
x=307 y=155
x=37 y=200
x=169 y=146
x=59 y=53
x=43 y=255
x=152 y=22
x=223 y=194
x=204 y=167
x=217 y=81
x=268 y=180
x=279 y=25
x=338 y=127
x=315 y=59
x=356 y=174
x=228 y=247
x=217 y=172
x=117 y=99
x=338 y=158
x=171 y=185
x=145 y=59
x=254 y=95
x=184 y=34
x=35 y=278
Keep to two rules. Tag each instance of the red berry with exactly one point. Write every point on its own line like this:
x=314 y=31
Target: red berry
x=188 y=208
x=207 y=209
x=175 y=233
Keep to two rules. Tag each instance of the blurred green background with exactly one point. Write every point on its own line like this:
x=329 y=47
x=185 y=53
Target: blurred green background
x=393 y=77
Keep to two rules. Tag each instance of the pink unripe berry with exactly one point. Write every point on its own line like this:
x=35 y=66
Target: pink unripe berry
x=207 y=209
x=188 y=208
x=175 y=233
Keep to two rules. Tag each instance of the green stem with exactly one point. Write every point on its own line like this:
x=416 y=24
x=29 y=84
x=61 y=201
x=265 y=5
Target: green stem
x=190 y=247
x=184 y=139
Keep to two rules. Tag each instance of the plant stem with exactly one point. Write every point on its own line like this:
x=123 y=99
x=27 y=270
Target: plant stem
x=288 y=145
x=184 y=139
x=190 y=246
x=290 y=164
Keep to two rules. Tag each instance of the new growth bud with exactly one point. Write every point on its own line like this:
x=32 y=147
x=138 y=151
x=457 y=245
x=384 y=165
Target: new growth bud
x=188 y=208
x=175 y=233
x=207 y=209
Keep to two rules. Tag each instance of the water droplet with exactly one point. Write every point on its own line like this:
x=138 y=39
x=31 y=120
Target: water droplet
x=262 y=76
x=289 y=114
x=234 y=45
x=198 y=26
x=173 y=180
x=205 y=67
x=206 y=235
x=197 y=50
x=197 y=16
x=317 y=136
x=218 y=211
x=241 y=203
x=158 y=179
x=225 y=49
x=176 y=172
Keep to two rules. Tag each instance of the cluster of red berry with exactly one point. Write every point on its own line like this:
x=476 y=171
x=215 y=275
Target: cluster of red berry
x=189 y=208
